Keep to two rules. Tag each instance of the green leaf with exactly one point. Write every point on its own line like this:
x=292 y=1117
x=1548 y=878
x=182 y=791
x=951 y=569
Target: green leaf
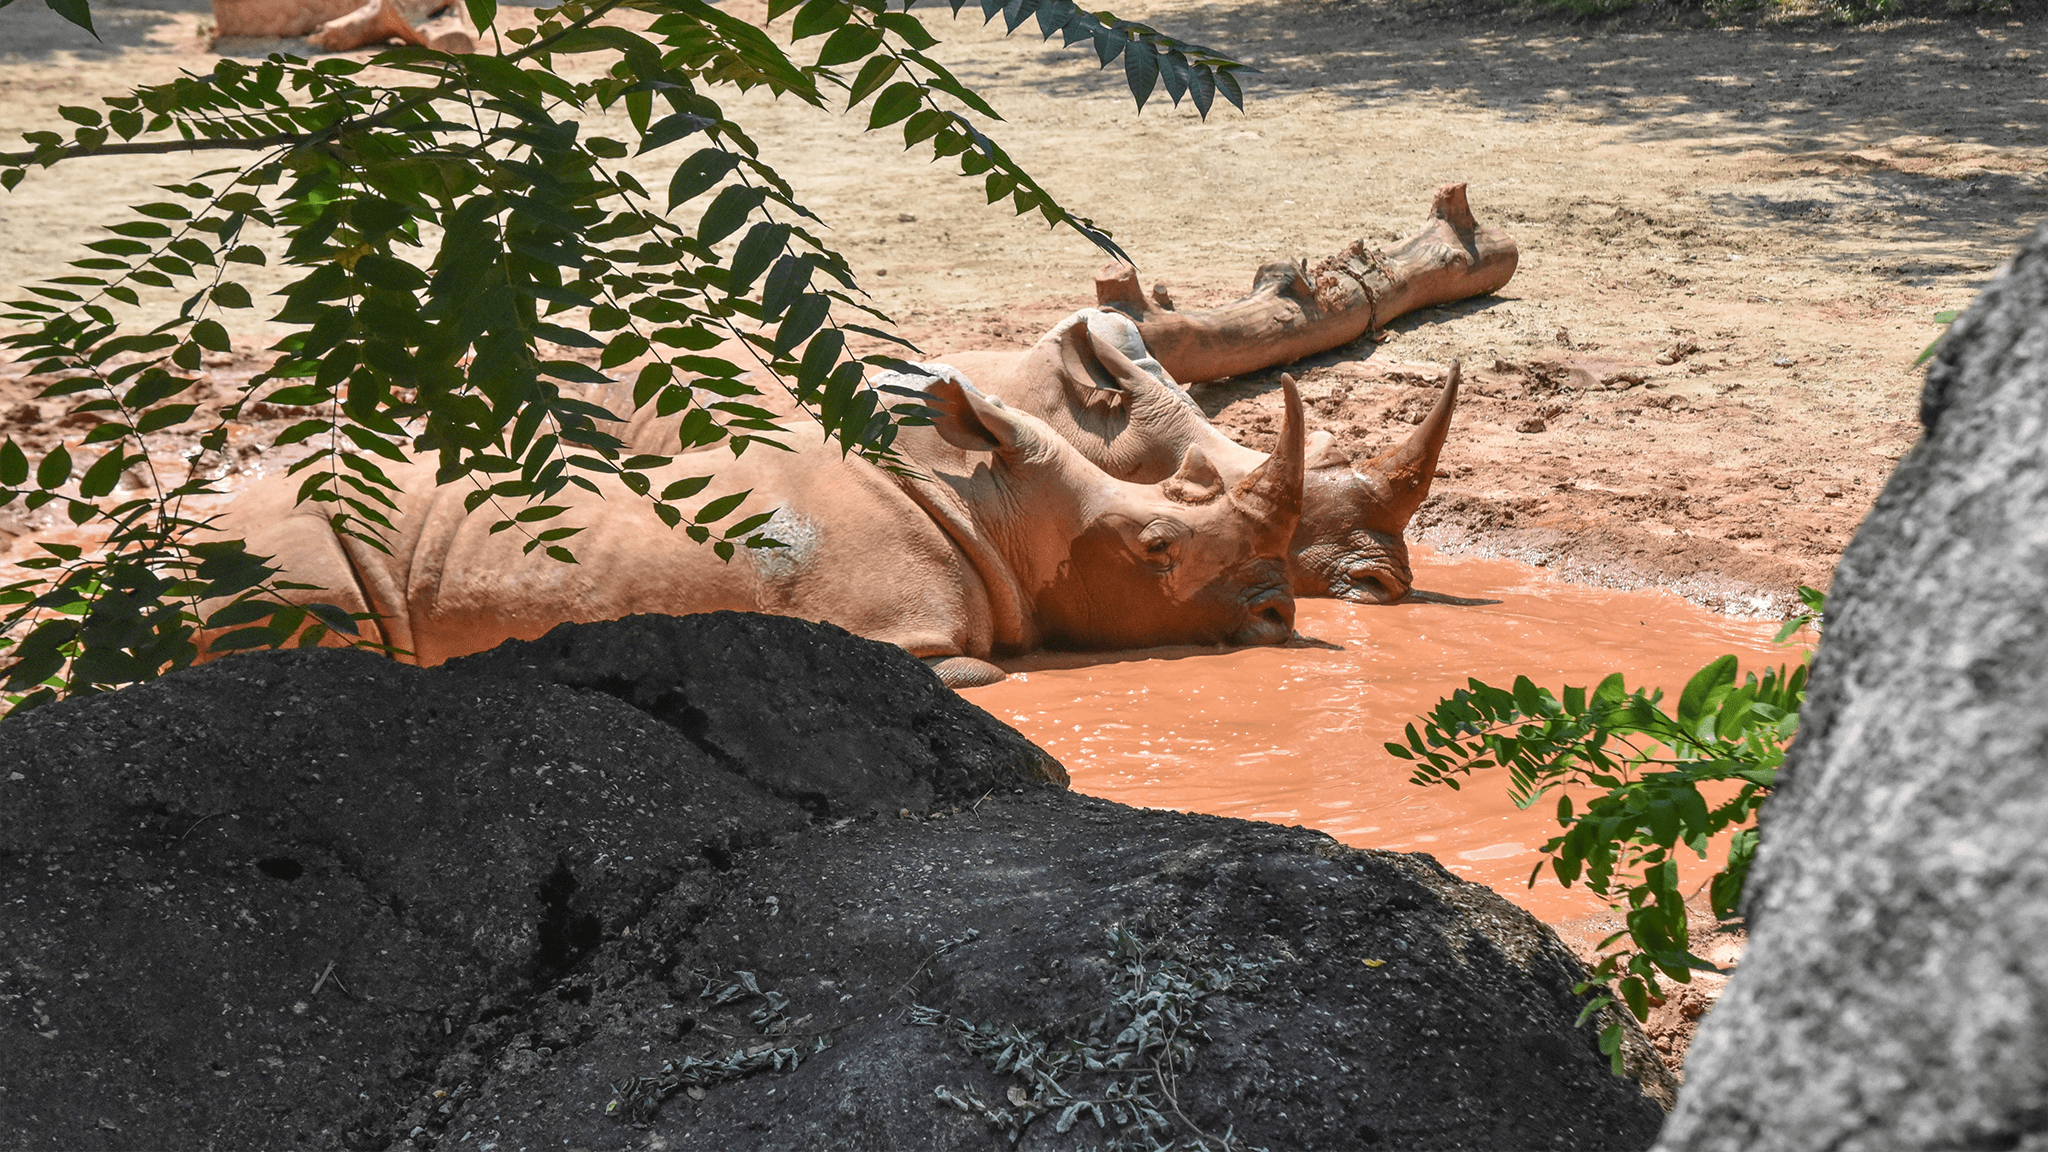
x=805 y=316
x=1701 y=689
x=670 y=129
x=908 y=29
x=849 y=44
x=103 y=475
x=79 y=12
x=819 y=17
x=748 y=525
x=730 y=210
x=923 y=125
x=482 y=13
x=1141 y=71
x=55 y=469
x=210 y=335
x=722 y=507
x=625 y=346
x=699 y=174
x=873 y=75
x=685 y=488
x=13 y=464
x=763 y=243
x=1227 y=84
x=896 y=101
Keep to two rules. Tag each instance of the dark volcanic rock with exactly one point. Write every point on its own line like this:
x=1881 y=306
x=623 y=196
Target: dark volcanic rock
x=317 y=899
x=843 y=729
x=1895 y=989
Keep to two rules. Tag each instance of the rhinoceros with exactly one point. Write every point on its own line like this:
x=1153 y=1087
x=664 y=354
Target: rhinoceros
x=1092 y=380
x=998 y=538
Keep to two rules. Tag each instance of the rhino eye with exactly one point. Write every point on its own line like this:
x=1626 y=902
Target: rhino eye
x=1158 y=539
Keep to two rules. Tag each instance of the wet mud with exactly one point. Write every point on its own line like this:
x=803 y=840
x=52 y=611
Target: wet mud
x=1296 y=735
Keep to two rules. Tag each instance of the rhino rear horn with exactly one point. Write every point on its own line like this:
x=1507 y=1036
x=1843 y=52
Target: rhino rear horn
x=1400 y=478
x=1272 y=493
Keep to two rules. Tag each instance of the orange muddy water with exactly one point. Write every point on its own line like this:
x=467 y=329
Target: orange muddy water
x=1296 y=735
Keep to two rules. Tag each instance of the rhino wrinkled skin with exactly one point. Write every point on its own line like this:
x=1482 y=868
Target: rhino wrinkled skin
x=1003 y=539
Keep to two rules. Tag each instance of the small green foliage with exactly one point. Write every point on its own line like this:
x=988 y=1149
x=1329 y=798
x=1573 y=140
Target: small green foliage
x=1927 y=353
x=1812 y=604
x=1645 y=765
x=1120 y=1070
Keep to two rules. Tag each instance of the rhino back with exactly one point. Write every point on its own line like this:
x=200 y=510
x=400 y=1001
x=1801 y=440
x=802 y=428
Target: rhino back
x=859 y=554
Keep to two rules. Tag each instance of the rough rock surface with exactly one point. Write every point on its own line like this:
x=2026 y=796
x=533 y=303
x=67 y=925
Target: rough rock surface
x=317 y=899
x=1895 y=990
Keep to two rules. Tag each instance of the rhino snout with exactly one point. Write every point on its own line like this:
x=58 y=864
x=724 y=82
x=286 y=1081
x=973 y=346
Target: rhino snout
x=1269 y=617
x=1372 y=584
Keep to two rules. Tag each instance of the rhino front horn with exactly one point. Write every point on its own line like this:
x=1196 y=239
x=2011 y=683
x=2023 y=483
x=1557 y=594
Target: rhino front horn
x=1400 y=478
x=1272 y=493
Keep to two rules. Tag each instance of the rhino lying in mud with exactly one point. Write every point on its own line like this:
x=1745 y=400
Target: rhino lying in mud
x=1008 y=540
x=1092 y=380
x=1107 y=381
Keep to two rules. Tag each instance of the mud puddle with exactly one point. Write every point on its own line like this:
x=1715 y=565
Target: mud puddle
x=1296 y=735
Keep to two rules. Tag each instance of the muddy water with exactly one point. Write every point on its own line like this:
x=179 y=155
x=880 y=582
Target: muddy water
x=1295 y=735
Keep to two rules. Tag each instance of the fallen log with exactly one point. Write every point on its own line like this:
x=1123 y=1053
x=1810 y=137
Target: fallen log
x=1295 y=310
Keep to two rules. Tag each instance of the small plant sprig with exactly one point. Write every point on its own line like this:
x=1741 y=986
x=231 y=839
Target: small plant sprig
x=1944 y=318
x=636 y=1099
x=1647 y=766
x=1121 y=1069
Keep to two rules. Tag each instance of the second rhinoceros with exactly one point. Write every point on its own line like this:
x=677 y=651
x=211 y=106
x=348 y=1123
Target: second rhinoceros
x=997 y=538
x=1092 y=380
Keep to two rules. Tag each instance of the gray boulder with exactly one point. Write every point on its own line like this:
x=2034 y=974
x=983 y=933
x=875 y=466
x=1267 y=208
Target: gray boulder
x=1895 y=989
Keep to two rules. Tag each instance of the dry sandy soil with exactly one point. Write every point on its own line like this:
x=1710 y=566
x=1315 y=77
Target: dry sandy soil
x=1776 y=211
x=1734 y=241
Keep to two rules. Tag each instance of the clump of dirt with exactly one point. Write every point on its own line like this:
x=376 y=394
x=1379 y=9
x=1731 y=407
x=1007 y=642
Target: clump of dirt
x=318 y=898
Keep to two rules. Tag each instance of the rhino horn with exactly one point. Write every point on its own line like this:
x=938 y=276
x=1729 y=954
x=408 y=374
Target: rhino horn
x=1399 y=479
x=1272 y=493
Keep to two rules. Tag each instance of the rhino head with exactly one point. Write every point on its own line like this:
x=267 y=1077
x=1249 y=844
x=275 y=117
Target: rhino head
x=1350 y=543
x=1194 y=558
x=1093 y=381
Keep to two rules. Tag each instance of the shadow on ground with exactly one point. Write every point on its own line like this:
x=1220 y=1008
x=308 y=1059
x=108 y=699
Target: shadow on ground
x=1895 y=123
x=29 y=30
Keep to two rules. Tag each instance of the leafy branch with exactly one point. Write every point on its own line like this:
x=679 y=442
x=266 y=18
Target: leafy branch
x=1647 y=767
x=449 y=236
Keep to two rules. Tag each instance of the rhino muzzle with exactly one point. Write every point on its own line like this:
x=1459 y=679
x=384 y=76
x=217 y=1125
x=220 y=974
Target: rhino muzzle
x=1269 y=616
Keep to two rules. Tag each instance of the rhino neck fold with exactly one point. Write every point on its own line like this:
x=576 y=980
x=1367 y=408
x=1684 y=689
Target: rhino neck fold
x=1011 y=627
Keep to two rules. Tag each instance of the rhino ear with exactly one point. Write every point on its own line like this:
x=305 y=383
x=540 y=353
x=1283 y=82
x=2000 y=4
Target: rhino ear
x=1082 y=371
x=966 y=419
x=1323 y=451
x=1197 y=482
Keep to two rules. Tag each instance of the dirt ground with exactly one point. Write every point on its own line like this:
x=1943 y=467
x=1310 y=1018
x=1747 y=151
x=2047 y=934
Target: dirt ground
x=1757 y=223
x=1733 y=244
